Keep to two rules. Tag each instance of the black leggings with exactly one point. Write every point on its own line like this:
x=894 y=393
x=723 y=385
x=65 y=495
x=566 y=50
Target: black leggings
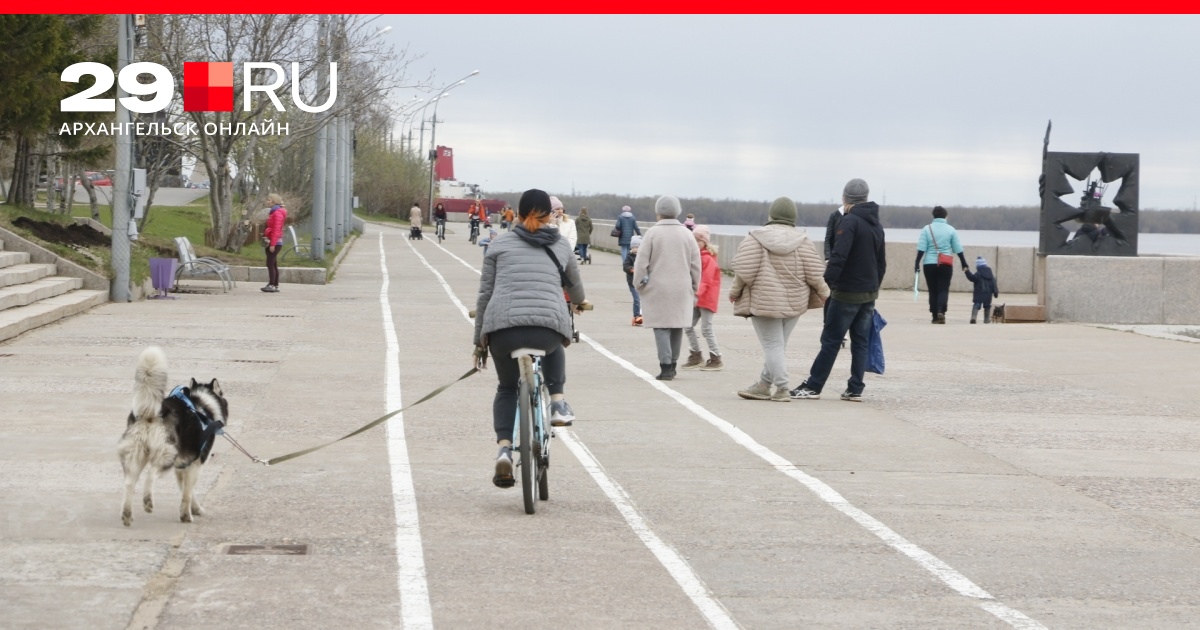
x=272 y=267
x=554 y=367
x=937 y=279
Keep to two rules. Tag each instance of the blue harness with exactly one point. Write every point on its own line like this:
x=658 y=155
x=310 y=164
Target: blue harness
x=201 y=415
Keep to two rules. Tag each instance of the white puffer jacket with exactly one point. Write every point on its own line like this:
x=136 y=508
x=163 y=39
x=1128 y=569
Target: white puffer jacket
x=776 y=271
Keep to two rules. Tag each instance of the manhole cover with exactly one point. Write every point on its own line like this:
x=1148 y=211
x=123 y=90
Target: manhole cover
x=280 y=315
x=252 y=361
x=267 y=550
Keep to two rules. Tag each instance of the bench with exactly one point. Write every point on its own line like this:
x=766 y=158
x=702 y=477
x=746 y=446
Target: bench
x=195 y=267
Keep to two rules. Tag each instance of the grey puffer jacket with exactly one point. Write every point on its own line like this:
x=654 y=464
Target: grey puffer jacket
x=776 y=271
x=521 y=286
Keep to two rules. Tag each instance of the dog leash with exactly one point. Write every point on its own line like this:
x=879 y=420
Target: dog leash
x=366 y=427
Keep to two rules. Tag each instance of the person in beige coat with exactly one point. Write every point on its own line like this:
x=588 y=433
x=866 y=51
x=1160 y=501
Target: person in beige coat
x=777 y=277
x=666 y=275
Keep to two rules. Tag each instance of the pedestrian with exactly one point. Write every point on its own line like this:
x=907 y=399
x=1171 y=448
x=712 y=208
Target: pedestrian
x=854 y=272
x=488 y=240
x=414 y=214
x=520 y=305
x=707 y=297
x=667 y=273
x=583 y=228
x=273 y=240
x=626 y=229
x=627 y=264
x=776 y=279
x=934 y=248
x=986 y=288
x=690 y=222
x=506 y=217
x=560 y=220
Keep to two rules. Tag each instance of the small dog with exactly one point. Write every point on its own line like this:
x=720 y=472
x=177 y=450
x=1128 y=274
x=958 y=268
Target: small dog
x=998 y=314
x=168 y=431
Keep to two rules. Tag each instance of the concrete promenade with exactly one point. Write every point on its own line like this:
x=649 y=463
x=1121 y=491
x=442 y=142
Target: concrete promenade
x=1002 y=476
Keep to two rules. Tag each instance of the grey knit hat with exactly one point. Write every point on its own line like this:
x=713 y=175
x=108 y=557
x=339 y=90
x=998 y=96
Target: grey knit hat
x=667 y=207
x=636 y=241
x=856 y=191
x=980 y=261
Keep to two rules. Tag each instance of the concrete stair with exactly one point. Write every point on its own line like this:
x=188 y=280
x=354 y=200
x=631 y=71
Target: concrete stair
x=32 y=294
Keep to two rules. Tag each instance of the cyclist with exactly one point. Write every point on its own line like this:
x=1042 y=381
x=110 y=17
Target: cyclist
x=520 y=305
x=439 y=217
x=475 y=214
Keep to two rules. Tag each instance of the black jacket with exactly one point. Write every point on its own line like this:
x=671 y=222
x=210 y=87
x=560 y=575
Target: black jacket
x=858 y=260
x=831 y=227
x=985 y=284
x=627 y=266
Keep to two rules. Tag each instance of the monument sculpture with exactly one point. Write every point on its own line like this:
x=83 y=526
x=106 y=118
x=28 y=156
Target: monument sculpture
x=1102 y=231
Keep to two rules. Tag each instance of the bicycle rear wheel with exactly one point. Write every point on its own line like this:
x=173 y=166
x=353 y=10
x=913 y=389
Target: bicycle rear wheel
x=543 y=438
x=529 y=463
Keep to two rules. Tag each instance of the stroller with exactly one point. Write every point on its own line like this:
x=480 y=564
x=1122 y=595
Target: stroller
x=414 y=233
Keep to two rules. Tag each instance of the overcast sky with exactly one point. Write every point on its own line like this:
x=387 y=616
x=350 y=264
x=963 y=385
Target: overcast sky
x=929 y=110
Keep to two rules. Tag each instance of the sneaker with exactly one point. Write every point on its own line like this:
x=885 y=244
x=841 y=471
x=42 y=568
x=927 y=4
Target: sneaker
x=803 y=392
x=266 y=289
x=714 y=364
x=504 y=469
x=851 y=396
x=695 y=360
x=757 y=391
x=781 y=395
x=561 y=414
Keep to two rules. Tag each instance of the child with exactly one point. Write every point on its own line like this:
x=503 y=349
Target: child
x=985 y=289
x=484 y=242
x=627 y=265
x=707 y=297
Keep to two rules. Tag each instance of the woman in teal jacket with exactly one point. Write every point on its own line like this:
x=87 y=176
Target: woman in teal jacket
x=939 y=237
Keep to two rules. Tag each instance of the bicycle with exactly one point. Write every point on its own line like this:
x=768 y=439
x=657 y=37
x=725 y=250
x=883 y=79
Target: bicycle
x=531 y=435
x=474 y=230
x=441 y=230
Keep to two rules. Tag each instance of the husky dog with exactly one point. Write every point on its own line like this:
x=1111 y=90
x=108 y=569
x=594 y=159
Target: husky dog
x=168 y=431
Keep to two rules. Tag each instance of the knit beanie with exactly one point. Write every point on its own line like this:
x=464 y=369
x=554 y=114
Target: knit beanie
x=555 y=204
x=667 y=207
x=702 y=234
x=856 y=191
x=980 y=261
x=783 y=212
x=636 y=241
x=691 y=225
x=626 y=209
x=533 y=200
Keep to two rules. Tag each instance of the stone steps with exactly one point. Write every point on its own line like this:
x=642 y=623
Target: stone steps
x=33 y=294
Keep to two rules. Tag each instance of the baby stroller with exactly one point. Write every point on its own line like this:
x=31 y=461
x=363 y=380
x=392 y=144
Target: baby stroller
x=415 y=233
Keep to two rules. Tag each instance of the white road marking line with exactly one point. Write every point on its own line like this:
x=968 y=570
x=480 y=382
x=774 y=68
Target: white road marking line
x=944 y=572
x=415 y=610
x=679 y=569
x=960 y=583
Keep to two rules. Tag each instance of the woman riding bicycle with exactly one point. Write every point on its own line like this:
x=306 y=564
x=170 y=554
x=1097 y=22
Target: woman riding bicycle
x=520 y=305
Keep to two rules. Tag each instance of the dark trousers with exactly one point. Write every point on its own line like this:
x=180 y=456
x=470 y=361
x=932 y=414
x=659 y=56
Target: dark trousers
x=501 y=343
x=937 y=278
x=273 y=266
x=841 y=318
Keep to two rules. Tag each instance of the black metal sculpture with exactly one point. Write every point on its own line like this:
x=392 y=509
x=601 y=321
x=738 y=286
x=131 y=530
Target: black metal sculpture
x=1103 y=231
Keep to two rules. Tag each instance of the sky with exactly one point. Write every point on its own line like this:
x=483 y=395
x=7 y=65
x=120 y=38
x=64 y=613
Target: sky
x=929 y=110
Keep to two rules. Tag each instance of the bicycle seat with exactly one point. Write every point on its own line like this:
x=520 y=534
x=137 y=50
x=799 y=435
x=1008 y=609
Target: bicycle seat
x=524 y=352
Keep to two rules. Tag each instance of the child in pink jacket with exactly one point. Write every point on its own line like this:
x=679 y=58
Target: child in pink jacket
x=707 y=297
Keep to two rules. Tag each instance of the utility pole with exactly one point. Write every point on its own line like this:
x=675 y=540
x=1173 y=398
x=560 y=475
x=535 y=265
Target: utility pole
x=318 y=213
x=331 y=152
x=122 y=185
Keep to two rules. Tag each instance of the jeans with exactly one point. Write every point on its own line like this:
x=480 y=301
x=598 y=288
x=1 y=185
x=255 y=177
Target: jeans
x=855 y=318
x=273 y=266
x=624 y=253
x=937 y=278
x=637 y=300
x=773 y=336
x=704 y=317
x=582 y=247
x=501 y=343
x=669 y=342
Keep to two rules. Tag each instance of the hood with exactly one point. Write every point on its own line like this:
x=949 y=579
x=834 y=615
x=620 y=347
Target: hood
x=984 y=272
x=540 y=238
x=779 y=239
x=868 y=211
x=627 y=214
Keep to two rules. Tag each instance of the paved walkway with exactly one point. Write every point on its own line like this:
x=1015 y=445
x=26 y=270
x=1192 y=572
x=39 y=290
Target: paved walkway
x=997 y=476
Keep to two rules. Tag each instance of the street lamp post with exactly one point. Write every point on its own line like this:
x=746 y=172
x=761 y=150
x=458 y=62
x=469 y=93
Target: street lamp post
x=433 y=133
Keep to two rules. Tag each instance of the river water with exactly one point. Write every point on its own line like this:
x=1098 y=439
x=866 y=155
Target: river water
x=1172 y=244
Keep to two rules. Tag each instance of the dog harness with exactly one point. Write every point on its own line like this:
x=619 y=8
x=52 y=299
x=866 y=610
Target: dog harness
x=210 y=427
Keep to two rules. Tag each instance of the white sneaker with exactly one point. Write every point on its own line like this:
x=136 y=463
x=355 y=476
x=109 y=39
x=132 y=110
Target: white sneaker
x=561 y=414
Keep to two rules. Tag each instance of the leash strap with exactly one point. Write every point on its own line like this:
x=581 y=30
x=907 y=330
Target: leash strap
x=374 y=423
